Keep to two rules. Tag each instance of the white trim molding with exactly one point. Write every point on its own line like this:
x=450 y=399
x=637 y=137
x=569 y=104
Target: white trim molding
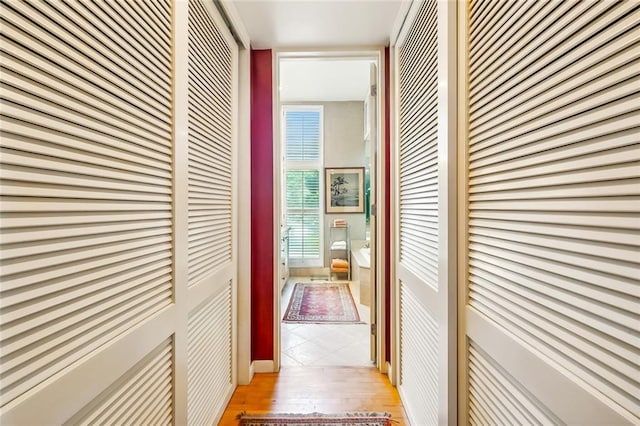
x=263 y=366
x=375 y=53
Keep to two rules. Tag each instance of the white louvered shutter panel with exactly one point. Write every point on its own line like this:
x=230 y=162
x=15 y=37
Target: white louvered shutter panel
x=427 y=371
x=418 y=196
x=142 y=396
x=210 y=138
x=554 y=132
x=419 y=147
x=211 y=63
x=419 y=358
x=209 y=359
x=86 y=191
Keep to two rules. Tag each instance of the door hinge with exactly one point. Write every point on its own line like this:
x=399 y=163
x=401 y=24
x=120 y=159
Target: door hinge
x=374 y=330
x=374 y=90
x=374 y=209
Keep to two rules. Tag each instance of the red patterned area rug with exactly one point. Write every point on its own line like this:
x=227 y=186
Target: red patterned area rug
x=316 y=419
x=327 y=303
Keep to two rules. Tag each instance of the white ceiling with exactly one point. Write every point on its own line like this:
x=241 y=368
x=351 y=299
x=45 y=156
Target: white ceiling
x=309 y=24
x=317 y=23
x=323 y=80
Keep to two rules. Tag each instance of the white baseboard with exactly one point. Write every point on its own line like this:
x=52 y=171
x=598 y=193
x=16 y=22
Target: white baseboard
x=262 y=366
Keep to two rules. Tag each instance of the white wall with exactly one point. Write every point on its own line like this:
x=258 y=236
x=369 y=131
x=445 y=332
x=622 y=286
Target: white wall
x=344 y=147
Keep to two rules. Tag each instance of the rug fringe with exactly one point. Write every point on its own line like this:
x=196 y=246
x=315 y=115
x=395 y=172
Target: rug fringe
x=369 y=418
x=244 y=414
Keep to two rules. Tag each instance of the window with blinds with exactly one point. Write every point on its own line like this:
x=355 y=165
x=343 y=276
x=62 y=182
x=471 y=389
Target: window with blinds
x=302 y=134
x=303 y=165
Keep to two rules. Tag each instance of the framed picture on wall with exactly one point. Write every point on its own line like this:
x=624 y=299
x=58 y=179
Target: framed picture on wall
x=344 y=189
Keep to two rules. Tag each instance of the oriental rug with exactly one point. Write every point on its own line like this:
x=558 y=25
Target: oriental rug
x=316 y=419
x=326 y=303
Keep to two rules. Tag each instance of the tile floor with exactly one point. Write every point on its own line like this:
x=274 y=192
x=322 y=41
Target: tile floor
x=324 y=344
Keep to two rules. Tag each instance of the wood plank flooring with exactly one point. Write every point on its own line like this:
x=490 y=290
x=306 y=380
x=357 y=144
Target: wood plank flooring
x=316 y=389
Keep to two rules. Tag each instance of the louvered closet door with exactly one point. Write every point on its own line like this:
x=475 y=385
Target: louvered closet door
x=552 y=317
x=86 y=199
x=212 y=72
x=425 y=282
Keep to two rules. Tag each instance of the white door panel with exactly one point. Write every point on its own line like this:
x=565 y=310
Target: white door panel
x=117 y=227
x=551 y=299
x=425 y=279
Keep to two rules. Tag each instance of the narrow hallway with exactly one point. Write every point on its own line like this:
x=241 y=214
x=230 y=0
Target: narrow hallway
x=324 y=389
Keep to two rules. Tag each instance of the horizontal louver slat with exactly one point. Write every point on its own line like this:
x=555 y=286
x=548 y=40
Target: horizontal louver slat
x=84 y=147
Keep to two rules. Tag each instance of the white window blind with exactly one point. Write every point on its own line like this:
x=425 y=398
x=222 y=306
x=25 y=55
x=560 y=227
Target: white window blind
x=303 y=213
x=303 y=164
x=303 y=135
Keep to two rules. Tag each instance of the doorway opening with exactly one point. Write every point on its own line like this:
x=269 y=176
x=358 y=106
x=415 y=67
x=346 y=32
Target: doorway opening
x=327 y=298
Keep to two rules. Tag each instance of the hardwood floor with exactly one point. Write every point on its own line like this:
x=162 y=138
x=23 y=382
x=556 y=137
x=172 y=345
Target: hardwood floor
x=316 y=389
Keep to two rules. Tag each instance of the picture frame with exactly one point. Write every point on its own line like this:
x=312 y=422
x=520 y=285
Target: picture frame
x=344 y=189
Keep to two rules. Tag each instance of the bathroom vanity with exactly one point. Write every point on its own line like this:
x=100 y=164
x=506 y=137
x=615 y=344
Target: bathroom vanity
x=361 y=269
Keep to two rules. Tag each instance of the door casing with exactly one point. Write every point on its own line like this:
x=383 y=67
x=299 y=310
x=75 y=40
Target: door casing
x=377 y=55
